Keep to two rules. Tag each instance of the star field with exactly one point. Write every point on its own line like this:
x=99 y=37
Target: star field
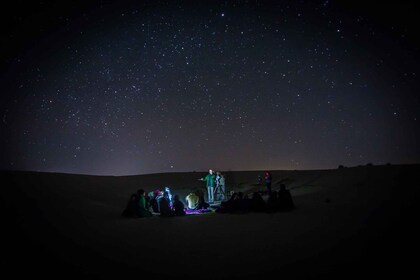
x=160 y=86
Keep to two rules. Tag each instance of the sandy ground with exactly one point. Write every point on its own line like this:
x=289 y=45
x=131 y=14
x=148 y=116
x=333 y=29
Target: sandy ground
x=348 y=223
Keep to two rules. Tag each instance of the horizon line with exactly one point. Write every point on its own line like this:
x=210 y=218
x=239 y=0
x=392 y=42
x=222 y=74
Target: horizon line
x=202 y=171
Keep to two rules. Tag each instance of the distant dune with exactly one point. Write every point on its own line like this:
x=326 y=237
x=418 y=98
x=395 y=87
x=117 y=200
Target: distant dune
x=348 y=222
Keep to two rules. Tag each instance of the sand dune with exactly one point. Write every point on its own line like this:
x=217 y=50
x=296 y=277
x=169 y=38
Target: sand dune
x=347 y=223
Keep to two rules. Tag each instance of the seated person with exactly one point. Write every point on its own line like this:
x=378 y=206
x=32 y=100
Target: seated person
x=164 y=206
x=178 y=206
x=272 y=202
x=202 y=204
x=154 y=201
x=284 y=199
x=241 y=205
x=142 y=209
x=167 y=189
x=193 y=201
x=228 y=205
x=257 y=203
x=130 y=209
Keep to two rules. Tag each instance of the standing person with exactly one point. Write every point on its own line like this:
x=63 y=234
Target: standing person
x=222 y=186
x=217 y=190
x=217 y=179
x=210 y=180
x=268 y=180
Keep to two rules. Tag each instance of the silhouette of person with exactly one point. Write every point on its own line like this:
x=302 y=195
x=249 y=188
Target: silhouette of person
x=240 y=204
x=272 y=202
x=167 y=189
x=217 y=188
x=154 y=201
x=130 y=210
x=285 y=201
x=246 y=203
x=142 y=208
x=257 y=203
x=222 y=187
x=202 y=204
x=178 y=207
x=228 y=205
x=164 y=206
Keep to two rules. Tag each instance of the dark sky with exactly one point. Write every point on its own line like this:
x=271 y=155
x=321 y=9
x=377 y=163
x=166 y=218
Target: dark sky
x=163 y=86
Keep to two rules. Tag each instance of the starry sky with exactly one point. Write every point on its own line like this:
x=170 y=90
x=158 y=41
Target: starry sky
x=136 y=87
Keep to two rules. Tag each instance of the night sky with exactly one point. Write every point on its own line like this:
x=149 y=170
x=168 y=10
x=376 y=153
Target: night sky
x=166 y=86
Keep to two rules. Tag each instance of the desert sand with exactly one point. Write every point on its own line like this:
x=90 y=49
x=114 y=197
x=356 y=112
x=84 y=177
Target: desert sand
x=348 y=222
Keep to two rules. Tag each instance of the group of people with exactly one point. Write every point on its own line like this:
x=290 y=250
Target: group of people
x=239 y=202
x=161 y=202
x=215 y=184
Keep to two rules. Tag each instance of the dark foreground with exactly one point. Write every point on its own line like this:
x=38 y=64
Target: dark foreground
x=348 y=223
